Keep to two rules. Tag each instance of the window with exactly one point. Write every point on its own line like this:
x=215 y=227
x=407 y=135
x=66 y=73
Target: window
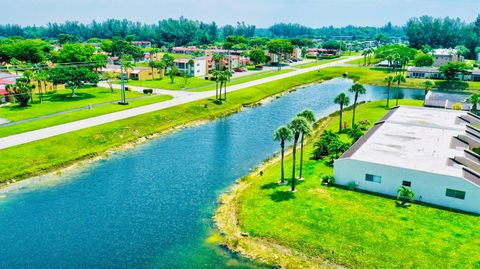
x=455 y=194
x=407 y=183
x=373 y=178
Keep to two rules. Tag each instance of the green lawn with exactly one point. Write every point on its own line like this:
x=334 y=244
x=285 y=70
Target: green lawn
x=166 y=83
x=59 y=151
x=199 y=84
x=361 y=61
x=375 y=76
x=355 y=229
x=61 y=101
x=315 y=63
x=79 y=115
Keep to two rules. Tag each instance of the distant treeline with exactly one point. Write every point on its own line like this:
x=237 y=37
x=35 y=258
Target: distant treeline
x=446 y=32
x=182 y=31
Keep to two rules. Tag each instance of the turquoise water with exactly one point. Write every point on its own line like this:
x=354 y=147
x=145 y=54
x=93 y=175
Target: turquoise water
x=151 y=206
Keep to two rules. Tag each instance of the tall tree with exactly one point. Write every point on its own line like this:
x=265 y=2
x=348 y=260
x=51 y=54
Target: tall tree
x=399 y=79
x=282 y=135
x=298 y=125
x=474 y=99
x=357 y=89
x=389 y=80
x=310 y=117
x=342 y=100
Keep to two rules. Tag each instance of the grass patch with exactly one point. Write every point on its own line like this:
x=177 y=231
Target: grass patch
x=62 y=150
x=348 y=228
x=316 y=63
x=79 y=115
x=375 y=76
x=61 y=101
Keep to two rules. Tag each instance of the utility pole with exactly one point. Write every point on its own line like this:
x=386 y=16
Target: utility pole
x=123 y=101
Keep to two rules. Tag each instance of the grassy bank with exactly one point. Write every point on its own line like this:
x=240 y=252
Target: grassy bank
x=320 y=226
x=375 y=76
x=60 y=151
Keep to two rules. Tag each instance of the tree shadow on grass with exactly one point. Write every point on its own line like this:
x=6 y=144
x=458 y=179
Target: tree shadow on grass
x=280 y=196
x=272 y=185
x=66 y=97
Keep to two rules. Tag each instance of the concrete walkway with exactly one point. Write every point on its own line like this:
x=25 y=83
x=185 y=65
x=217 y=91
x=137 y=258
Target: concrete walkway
x=180 y=97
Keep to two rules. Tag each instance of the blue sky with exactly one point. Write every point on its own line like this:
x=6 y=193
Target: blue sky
x=314 y=13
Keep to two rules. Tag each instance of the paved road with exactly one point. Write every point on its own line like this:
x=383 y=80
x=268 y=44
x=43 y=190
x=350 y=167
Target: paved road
x=180 y=97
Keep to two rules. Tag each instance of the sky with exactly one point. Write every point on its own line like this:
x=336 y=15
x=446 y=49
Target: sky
x=262 y=13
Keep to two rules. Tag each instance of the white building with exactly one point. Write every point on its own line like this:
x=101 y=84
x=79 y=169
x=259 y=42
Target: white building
x=444 y=56
x=198 y=69
x=426 y=149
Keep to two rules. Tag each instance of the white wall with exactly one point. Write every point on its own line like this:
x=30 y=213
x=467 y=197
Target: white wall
x=428 y=187
x=200 y=68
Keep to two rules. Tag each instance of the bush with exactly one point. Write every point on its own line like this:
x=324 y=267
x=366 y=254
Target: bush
x=147 y=91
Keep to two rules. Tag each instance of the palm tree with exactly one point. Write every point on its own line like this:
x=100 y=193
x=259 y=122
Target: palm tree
x=216 y=76
x=40 y=76
x=398 y=79
x=427 y=85
x=282 y=135
x=227 y=75
x=310 y=117
x=153 y=64
x=217 y=58
x=342 y=100
x=223 y=80
x=405 y=195
x=298 y=126
x=357 y=89
x=365 y=53
x=474 y=99
x=389 y=80
x=125 y=64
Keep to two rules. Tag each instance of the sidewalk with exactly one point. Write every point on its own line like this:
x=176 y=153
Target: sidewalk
x=179 y=98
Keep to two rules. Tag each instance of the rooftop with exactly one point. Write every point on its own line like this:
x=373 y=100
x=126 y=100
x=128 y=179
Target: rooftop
x=444 y=52
x=418 y=138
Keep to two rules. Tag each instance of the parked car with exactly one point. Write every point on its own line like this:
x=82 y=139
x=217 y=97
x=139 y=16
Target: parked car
x=259 y=67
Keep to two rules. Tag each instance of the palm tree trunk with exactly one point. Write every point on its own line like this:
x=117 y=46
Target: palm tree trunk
x=388 y=95
x=282 y=182
x=398 y=89
x=225 y=92
x=301 y=158
x=354 y=108
x=294 y=160
x=340 y=128
x=216 y=90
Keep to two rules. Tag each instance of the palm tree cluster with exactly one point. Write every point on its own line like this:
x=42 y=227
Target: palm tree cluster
x=221 y=79
x=367 y=53
x=343 y=100
x=392 y=80
x=296 y=130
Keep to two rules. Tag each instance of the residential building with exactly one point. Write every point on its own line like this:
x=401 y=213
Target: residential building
x=137 y=73
x=434 y=73
x=446 y=100
x=444 y=56
x=424 y=72
x=198 y=69
x=430 y=151
x=142 y=44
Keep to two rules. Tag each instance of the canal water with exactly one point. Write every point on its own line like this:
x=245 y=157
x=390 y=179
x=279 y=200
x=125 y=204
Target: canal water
x=151 y=206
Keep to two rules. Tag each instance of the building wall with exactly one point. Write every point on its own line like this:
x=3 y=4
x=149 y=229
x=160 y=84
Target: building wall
x=428 y=187
x=200 y=68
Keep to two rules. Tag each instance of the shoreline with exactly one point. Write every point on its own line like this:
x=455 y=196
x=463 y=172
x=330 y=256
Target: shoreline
x=263 y=250
x=15 y=184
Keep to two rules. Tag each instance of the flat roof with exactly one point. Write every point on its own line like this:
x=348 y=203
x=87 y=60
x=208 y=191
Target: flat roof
x=415 y=138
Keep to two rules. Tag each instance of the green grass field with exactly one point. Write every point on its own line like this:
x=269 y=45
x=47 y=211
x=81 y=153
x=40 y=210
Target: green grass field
x=375 y=76
x=60 y=151
x=315 y=63
x=79 y=115
x=61 y=101
x=199 y=84
x=351 y=228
